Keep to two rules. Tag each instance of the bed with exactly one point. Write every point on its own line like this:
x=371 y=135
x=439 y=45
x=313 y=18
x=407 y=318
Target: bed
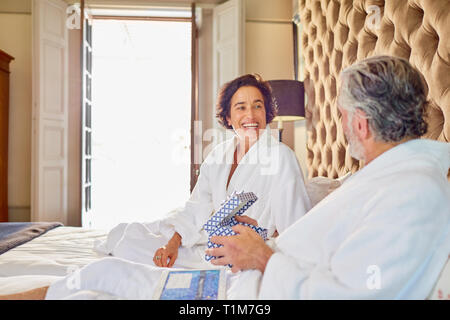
x=47 y=257
x=61 y=250
x=56 y=251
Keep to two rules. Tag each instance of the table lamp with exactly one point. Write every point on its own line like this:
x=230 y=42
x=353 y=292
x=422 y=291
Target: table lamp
x=290 y=98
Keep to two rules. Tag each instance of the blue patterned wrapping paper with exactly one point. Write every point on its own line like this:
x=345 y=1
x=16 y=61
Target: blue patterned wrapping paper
x=223 y=220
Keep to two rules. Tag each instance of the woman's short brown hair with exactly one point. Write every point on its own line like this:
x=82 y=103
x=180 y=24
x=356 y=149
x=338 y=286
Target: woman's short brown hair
x=228 y=90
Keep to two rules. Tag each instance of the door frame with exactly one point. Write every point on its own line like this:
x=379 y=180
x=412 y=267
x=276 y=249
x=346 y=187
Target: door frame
x=195 y=144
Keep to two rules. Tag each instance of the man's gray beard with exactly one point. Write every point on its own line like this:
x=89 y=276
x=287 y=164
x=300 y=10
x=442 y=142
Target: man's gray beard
x=355 y=147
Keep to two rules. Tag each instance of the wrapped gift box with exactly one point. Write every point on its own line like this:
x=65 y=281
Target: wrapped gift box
x=223 y=220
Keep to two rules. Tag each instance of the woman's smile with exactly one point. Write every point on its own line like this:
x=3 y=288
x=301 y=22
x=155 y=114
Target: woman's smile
x=247 y=112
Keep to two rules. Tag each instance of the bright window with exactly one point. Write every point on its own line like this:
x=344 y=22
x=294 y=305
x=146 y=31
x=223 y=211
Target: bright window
x=141 y=119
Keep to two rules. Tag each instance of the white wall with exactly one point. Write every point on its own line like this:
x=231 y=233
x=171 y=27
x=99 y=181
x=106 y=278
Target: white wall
x=268 y=46
x=269 y=52
x=15 y=39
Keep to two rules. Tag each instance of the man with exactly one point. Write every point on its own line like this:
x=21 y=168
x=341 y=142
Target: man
x=385 y=233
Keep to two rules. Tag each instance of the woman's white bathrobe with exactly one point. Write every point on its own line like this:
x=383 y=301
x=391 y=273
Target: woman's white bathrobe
x=269 y=169
x=384 y=234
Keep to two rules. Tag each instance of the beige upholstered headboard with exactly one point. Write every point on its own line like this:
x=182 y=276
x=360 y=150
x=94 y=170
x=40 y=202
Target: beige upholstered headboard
x=336 y=33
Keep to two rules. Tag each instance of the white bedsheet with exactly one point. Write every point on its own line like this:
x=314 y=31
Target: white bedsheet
x=54 y=255
x=47 y=258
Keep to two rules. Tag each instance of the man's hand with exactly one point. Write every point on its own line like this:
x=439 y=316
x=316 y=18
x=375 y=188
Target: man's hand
x=244 y=251
x=166 y=255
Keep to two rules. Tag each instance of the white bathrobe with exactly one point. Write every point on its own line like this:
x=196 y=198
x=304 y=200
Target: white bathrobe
x=269 y=169
x=384 y=234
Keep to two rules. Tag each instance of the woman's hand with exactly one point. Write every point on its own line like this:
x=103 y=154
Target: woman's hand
x=166 y=255
x=246 y=219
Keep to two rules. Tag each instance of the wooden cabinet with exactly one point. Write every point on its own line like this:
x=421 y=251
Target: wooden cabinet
x=5 y=59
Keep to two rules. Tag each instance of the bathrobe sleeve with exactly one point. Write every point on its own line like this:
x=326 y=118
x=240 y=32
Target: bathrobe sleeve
x=289 y=200
x=189 y=221
x=378 y=259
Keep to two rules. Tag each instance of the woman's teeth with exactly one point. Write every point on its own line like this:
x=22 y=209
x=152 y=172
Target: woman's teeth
x=250 y=125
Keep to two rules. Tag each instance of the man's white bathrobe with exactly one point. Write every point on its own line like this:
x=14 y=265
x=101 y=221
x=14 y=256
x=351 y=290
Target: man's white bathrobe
x=384 y=234
x=269 y=169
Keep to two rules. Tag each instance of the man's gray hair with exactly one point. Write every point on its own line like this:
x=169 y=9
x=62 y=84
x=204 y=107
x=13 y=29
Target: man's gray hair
x=391 y=93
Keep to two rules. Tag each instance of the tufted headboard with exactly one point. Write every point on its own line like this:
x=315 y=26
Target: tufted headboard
x=337 y=33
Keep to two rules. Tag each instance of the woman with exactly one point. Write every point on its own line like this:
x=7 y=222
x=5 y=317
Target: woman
x=251 y=161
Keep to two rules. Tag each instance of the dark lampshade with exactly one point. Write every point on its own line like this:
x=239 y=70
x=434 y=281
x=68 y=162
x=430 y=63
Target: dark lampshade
x=290 y=98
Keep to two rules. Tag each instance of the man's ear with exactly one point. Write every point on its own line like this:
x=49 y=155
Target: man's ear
x=228 y=121
x=362 y=125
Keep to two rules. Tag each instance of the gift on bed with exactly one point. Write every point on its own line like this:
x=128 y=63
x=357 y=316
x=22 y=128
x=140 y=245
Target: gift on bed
x=223 y=220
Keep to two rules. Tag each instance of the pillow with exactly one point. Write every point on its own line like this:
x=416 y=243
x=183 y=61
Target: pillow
x=319 y=187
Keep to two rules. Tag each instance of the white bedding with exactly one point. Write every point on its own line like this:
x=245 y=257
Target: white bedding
x=54 y=255
x=47 y=258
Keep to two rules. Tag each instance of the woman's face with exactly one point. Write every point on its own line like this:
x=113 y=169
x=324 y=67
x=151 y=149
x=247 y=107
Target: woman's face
x=247 y=113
